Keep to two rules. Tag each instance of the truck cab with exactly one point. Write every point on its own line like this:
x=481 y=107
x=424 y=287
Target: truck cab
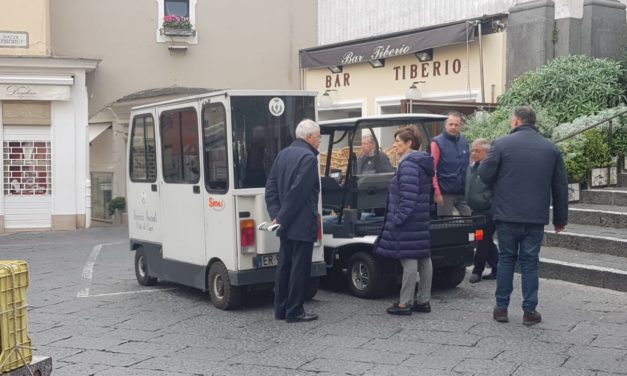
x=354 y=200
x=197 y=169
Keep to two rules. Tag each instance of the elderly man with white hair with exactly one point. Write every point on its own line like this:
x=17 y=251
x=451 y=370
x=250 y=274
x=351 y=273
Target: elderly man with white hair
x=372 y=161
x=292 y=191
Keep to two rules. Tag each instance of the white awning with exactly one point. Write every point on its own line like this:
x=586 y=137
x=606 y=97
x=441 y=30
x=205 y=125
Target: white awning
x=96 y=130
x=36 y=79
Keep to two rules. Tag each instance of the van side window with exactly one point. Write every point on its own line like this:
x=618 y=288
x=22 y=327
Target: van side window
x=214 y=147
x=179 y=146
x=143 y=158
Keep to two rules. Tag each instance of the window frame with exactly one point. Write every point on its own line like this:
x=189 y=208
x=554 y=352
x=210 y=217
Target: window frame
x=179 y=111
x=189 y=39
x=130 y=159
x=226 y=149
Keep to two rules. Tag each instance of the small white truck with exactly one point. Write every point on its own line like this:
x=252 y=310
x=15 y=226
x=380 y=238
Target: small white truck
x=197 y=169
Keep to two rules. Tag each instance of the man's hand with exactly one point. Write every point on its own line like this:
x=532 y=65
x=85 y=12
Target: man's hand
x=559 y=228
x=439 y=199
x=274 y=221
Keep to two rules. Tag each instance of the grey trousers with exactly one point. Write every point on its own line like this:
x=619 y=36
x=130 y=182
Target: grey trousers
x=456 y=201
x=411 y=269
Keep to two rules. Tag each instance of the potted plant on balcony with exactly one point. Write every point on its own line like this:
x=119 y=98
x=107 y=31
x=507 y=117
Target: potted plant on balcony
x=175 y=25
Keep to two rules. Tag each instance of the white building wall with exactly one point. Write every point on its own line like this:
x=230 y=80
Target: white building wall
x=352 y=19
x=64 y=158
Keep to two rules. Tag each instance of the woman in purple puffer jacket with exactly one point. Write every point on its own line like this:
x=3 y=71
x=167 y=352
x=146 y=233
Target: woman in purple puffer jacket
x=405 y=234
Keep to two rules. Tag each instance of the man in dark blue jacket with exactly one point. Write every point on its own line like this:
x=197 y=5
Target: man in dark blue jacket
x=292 y=193
x=526 y=172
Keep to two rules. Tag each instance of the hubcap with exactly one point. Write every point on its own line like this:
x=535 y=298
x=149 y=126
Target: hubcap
x=360 y=275
x=218 y=286
x=141 y=266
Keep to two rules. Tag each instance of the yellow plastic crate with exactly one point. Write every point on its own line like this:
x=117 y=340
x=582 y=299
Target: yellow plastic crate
x=15 y=344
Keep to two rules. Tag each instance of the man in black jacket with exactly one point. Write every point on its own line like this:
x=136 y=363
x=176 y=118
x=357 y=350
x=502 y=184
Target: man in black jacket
x=292 y=193
x=526 y=172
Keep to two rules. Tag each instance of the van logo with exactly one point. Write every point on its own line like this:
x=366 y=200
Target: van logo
x=216 y=205
x=276 y=106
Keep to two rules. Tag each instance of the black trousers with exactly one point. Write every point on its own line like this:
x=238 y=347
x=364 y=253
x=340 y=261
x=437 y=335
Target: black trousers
x=486 y=249
x=292 y=277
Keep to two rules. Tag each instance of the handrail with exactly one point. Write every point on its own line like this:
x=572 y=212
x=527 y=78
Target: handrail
x=592 y=126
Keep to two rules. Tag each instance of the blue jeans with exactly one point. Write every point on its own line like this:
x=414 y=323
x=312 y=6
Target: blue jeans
x=518 y=241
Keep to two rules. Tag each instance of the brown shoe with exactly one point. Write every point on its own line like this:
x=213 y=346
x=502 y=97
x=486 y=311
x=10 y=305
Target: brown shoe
x=500 y=314
x=531 y=318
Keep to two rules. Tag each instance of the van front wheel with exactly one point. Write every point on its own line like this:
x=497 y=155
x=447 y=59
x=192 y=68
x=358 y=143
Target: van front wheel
x=223 y=294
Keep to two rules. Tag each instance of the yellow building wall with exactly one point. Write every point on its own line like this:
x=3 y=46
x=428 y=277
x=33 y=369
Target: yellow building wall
x=458 y=71
x=25 y=16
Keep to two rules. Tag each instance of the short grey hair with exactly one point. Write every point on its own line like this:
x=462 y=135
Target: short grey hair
x=368 y=136
x=526 y=114
x=306 y=128
x=484 y=143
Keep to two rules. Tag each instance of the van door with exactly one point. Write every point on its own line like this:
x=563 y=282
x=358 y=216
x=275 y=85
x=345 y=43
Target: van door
x=181 y=195
x=219 y=208
x=143 y=193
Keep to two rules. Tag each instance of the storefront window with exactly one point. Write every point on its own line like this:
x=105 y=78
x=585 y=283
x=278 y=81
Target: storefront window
x=27 y=168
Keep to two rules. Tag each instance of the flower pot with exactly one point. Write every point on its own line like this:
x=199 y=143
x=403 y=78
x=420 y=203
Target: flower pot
x=178 y=32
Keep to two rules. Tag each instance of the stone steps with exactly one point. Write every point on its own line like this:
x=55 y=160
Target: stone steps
x=598 y=215
x=597 y=270
x=590 y=239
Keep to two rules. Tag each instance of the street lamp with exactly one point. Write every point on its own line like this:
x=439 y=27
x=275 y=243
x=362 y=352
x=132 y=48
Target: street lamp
x=325 y=100
x=413 y=94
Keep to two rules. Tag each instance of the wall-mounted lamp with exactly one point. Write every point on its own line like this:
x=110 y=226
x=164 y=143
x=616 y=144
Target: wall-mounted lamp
x=413 y=94
x=335 y=68
x=377 y=63
x=425 y=55
x=325 y=100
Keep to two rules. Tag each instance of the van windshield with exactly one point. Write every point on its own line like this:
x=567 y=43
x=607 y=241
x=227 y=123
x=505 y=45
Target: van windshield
x=258 y=135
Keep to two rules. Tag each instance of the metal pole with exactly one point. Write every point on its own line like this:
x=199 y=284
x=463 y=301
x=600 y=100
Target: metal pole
x=481 y=64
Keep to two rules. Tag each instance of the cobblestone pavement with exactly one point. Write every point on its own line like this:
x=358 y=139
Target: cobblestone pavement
x=100 y=321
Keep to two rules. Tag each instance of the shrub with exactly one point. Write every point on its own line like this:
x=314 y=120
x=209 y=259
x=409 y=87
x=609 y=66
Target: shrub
x=117 y=203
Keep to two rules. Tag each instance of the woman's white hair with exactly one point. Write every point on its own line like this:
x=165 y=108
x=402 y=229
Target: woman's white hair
x=306 y=128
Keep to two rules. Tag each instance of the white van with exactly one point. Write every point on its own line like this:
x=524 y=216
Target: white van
x=197 y=169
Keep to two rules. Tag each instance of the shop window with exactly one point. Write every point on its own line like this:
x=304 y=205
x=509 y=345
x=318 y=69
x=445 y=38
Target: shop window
x=143 y=158
x=27 y=168
x=179 y=146
x=101 y=194
x=214 y=145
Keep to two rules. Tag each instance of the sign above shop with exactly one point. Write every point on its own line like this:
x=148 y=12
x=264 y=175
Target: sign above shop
x=399 y=44
x=16 y=39
x=34 y=92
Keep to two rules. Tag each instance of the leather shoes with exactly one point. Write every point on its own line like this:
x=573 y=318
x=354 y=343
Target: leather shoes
x=425 y=307
x=500 y=314
x=303 y=317
x=489 y=276
x=531 y=318
x=396 y=310
x=474 y=278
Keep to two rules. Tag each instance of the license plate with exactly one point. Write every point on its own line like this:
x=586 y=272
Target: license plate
x=271 y=259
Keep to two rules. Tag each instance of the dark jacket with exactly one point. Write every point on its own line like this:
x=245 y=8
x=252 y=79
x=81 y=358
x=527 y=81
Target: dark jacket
x=526 y=170
x=453 y=163
x=478 y=194
x=374 y=164
x=405 y=233
x=292 y=192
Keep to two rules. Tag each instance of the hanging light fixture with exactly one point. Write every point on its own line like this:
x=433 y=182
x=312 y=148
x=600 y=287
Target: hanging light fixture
x=325 y=100
x=413 y=94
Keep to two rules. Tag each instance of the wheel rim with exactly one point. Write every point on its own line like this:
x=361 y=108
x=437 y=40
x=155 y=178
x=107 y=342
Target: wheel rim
x=360 y=275
x=141 y=266
x=218 y=287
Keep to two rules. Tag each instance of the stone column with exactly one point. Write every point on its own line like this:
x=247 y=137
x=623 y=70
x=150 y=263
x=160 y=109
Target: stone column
x=603 y=28
x=530 y=34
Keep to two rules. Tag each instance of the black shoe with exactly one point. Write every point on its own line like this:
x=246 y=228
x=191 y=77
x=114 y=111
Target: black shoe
x=304 y=317
x=474 y=278
x=425 y=307
x=396 y=310
x=489 y=276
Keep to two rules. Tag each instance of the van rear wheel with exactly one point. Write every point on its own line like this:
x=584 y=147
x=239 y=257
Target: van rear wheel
x=223 y=294
x=450 y=277
x=141 y=269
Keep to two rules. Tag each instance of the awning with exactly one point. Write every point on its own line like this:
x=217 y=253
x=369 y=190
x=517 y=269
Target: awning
x=96 y=130
x=385 y=46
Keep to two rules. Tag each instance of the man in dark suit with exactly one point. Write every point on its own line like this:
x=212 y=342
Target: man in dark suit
x=527 y=174
x=292 y=193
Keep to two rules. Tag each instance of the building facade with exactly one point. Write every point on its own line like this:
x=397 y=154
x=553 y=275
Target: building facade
x=43 y=125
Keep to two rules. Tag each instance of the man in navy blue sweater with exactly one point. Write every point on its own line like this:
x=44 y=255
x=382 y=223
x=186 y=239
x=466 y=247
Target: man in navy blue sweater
x=526 y=172
x=292 y=193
